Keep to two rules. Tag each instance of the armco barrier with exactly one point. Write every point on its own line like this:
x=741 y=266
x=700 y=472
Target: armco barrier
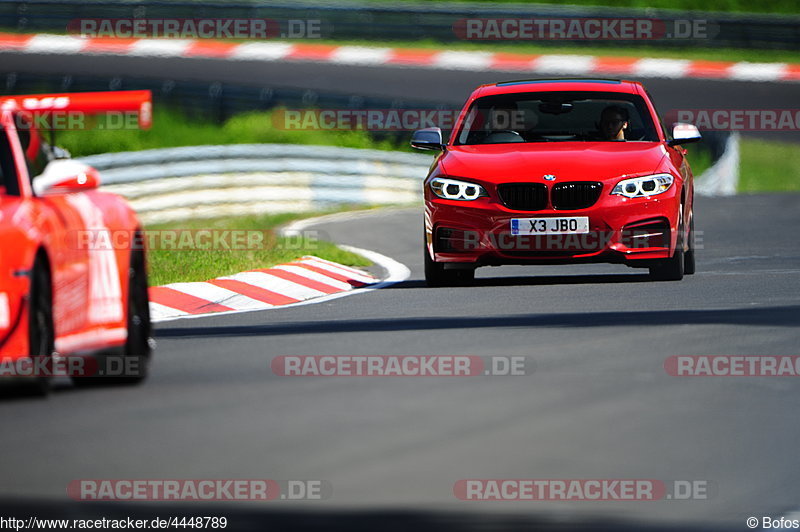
x=209 y=181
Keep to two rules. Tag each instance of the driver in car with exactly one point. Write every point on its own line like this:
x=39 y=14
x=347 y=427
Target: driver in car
x=504 y=123
x=614 y=120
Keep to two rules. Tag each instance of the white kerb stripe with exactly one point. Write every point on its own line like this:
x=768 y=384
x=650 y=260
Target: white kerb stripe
x=55 y=44
x=314 y=276
x=217 y=294
x=263 y=51
x=159 y=311
x=463 y=60
x=276 y=284
x=661 y=68
x=757 y=71
x=333 y=269
x=360 y=55
x=336 y=264
x=159 y=47
x=573 y=64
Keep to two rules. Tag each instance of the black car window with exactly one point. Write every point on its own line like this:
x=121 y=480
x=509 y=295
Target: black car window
x=7 y=167
x=551 y=117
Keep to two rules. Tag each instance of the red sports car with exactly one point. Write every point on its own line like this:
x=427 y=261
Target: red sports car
x=61 y=296
x=558 y=172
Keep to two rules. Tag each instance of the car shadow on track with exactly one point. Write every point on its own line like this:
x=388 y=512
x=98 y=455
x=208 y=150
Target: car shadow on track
x=782 y=316
x=542 y=280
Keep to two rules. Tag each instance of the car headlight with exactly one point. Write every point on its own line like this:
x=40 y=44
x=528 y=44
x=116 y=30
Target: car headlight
x=649 y=185
x=453 y=189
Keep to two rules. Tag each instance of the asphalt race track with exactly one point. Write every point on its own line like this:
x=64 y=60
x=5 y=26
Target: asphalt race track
x=597 y=404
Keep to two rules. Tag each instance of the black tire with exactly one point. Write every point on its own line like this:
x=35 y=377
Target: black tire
x=138 y=346
x=436 y=275
x=688 y=257
x=671 y=269
x=41 y=331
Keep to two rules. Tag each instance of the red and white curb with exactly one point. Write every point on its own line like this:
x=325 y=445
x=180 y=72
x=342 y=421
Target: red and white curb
x=574 y=65
x=308 y=278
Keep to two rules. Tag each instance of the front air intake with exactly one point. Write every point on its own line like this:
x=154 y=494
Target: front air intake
x=523 y=196
x=573 y=196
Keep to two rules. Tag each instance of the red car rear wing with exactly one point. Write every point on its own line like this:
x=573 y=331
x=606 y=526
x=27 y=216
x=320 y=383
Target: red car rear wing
x=90 y=103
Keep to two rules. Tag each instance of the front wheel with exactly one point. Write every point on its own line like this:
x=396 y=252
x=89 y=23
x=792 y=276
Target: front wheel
x=138 y=346
x=436 y=275
x=688 y=258
x=671 y=269
x=41 y=331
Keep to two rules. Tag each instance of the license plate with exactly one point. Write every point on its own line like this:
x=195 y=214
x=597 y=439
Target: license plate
x=550 y=226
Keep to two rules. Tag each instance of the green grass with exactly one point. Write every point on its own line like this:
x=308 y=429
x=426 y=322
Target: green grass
x=196 y=263
x=699 y=159
x=172 y=128
x=769 y=166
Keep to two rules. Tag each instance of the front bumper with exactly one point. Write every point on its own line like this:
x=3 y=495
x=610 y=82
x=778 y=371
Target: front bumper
x=633 y=231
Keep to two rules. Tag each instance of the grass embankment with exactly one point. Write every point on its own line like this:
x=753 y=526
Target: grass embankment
x=769 y=166
x=200 y=259
x=171 y=129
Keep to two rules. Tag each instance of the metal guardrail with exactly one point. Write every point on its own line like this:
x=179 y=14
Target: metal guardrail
x=209 y=181
x=722 y=179
x=408 y=20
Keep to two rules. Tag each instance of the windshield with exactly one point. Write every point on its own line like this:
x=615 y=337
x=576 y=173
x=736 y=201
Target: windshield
x=557 y=116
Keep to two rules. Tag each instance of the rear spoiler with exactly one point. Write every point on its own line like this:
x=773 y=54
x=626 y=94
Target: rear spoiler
x=47 y=106
x=90 y=103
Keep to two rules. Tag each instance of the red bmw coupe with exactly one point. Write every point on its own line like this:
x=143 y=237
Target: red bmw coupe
x=558 y=172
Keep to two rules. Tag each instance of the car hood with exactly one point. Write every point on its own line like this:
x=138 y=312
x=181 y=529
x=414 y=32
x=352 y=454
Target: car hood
x=568 y=161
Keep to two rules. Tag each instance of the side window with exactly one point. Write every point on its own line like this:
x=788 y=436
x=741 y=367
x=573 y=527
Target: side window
x=36 y=150
x=667 y=131
x=7 y=167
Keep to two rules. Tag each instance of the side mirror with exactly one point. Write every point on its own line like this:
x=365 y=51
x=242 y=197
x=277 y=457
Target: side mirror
x=65 y=175
x=427 y=139
x=684 y=134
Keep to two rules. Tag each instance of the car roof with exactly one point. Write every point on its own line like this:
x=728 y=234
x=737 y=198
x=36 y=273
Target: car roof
x=559 y=84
